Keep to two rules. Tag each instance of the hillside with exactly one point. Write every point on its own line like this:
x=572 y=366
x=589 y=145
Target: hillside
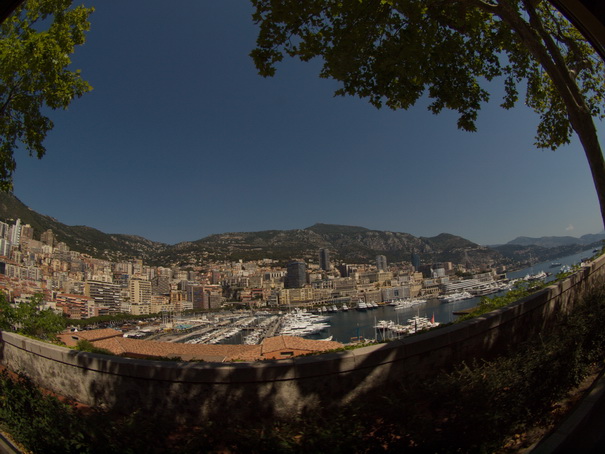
x=526 y=255
x=556 y=241
x=346 y=244
x=79 y=238
x=349 y=244
x=526 y=250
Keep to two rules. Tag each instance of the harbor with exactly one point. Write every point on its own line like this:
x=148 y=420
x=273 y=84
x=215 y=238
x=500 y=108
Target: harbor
x=377 y=321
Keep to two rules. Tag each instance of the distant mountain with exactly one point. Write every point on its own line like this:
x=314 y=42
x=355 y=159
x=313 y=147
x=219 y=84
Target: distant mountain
x=79 y=238
x=348 y=244
x=524 y=255
x=557 y=241
x=524 y=250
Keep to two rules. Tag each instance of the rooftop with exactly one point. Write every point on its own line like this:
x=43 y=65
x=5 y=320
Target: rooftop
x=277 y=347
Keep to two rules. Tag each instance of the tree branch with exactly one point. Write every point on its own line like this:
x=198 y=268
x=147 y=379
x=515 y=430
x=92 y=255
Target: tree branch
x=562 y=70
x=4 y=107
x=488 y=7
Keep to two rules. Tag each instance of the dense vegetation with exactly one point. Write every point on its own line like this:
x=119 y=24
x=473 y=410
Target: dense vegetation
x=111 y=320
x=27 y=318
x=479 y=407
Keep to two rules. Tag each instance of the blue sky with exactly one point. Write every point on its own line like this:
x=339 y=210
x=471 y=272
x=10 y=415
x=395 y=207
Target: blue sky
x=181 y=138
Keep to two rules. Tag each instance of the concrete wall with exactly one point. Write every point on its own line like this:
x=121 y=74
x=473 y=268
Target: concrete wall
x=190 y=391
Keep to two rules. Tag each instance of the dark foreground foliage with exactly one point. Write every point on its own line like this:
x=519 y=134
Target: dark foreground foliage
x=475 y=408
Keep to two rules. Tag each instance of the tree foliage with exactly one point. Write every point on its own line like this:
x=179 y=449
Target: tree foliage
x=27 y=318
x=393 y=52
x=35 y=47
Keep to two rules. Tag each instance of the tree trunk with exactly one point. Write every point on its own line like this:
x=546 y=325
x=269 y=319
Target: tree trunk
x=540 y=45
x=584 y=127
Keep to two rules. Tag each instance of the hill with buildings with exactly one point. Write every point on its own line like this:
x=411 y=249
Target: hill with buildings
x=79 y=238
x=349 y=244
x=527 y=250
x=345 y=244
x=529 y=254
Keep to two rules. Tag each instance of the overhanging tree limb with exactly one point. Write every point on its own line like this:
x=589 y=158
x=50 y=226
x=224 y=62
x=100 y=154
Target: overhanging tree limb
x=35 y=44
x=447 y=47
x=553 y=62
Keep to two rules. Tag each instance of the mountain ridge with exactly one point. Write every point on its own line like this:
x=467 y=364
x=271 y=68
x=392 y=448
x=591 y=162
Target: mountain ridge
x=350 y=244
x=81 y=238
x=347 y=243
x=556 y=241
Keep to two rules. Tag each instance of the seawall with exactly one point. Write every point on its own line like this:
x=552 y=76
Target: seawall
x=190 y=391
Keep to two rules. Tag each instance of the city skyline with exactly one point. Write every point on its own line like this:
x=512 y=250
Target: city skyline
x=181 y=139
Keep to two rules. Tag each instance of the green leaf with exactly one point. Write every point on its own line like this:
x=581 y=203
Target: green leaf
x=35 y=44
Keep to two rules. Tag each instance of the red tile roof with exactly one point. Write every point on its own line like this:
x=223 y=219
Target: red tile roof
x=270 y=348
x=70 y=339
x=188 y=352
x=279 y=343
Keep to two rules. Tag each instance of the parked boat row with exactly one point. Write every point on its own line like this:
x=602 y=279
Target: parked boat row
x=262 y=330
x=330 y=309
x=413 y=325
x=224 y=330
x=537 y=276
x=457 y=296
x=492 y=287
x=301 y=323
x=364 y=306
x=400 y=304
x=215 y=336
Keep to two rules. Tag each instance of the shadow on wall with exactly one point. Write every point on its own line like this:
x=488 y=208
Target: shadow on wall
x=187 y=393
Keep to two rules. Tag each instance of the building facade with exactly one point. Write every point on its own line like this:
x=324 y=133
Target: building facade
x=296 y=275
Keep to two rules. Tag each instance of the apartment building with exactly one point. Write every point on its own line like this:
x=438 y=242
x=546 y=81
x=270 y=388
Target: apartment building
x=105 y=295
x=139 y=291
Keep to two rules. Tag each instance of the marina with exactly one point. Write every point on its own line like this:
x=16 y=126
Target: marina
x=361 y=320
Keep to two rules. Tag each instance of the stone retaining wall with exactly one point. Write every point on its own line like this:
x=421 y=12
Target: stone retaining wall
x=190 y=391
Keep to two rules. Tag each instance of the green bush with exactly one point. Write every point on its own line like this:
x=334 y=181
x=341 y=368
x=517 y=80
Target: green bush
x=26 y=318
x=37 y=421
x=84 y=345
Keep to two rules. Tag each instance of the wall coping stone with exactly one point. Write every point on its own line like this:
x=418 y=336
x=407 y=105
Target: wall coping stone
x=364 y=368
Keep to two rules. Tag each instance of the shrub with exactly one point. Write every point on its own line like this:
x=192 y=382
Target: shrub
x=39 y=422
x=26 y=318
x=86 y=346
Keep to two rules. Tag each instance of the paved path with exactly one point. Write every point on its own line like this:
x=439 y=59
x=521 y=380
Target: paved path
x=7 y=447
x=583 y=431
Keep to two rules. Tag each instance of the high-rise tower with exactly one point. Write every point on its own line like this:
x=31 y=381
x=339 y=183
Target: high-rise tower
x=296 y=275
x=381 y=263
x=324 y=260
x=415 y=261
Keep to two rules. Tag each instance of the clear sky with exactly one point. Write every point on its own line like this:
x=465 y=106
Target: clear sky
x=181 y=138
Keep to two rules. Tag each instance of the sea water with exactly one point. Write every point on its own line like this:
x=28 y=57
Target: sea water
x=345 y=326
x=353 y=324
